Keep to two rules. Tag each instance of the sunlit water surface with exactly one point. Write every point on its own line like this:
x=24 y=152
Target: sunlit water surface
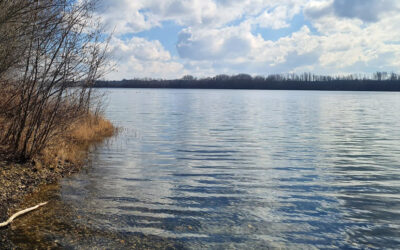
x=245 y=169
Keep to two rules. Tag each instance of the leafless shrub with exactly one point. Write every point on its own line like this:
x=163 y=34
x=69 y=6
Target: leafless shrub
x=51 y=55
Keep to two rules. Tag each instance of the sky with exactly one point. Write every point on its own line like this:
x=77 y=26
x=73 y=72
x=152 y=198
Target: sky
x=172 y=38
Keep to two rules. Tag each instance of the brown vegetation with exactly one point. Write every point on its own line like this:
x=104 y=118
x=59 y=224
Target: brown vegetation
x=68 y=146
x=63 y=156
x=51 y=53
x=71 y=146
x=58 y=52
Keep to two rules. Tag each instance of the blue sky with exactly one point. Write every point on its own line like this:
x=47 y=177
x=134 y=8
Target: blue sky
x=173 y=38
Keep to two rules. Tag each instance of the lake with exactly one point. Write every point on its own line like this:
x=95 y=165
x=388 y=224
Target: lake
x=242 y=169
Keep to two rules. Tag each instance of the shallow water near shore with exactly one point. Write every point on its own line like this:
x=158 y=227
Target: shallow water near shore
x=232 y=169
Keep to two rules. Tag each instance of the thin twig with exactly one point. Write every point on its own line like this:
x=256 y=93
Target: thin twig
x=6 y=223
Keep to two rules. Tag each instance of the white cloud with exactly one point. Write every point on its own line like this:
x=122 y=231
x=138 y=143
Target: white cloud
x=275 y=19
x=135 y=16
x=139 y=48
x=364 y=10
x=138 y=57
x=237 y=48
x=279 y=16
x=354 y=39
x=218 y=36
x=216 y=44
x=124 y=16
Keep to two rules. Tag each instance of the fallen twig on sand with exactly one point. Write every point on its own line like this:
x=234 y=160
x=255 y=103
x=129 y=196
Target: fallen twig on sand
x=6 y=223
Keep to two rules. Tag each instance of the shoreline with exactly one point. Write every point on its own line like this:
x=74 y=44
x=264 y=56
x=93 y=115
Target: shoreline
x=19 y=180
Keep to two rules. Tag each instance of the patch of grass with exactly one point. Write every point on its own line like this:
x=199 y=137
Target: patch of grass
x=72 y=146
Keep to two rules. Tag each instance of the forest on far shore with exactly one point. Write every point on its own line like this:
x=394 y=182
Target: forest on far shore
x=379 y=81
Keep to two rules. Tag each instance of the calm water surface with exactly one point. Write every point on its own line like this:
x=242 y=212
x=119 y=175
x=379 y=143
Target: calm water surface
x=246 y=169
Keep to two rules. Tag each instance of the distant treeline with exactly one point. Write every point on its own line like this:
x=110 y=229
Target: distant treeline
x=379 y=81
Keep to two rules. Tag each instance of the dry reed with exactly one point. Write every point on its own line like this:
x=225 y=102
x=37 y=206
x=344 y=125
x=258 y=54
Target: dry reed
x=72 y=146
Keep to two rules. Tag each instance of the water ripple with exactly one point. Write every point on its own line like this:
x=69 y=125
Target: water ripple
x=249 y=169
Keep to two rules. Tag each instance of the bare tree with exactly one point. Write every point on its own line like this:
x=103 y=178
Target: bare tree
x=60 y=52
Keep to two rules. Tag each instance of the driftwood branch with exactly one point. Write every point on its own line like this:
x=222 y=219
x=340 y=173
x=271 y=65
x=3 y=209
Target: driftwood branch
x=6 y=223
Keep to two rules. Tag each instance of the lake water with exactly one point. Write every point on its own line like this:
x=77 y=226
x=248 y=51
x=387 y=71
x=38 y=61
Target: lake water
x=243 y=169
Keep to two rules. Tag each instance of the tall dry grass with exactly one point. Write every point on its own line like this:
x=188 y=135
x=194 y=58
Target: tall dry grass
x=72 y=146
